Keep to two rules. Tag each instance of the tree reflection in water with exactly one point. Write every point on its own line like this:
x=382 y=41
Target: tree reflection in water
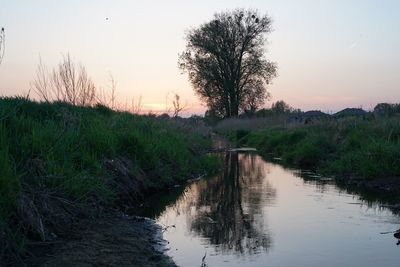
x=227 y=210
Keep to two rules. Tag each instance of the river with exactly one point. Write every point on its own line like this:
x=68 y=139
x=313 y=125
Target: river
x=258 y=213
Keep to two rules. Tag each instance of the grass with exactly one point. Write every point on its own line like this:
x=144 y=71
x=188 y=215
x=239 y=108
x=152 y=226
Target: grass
x=365 y=148
x=58 y=151
x=230 y=125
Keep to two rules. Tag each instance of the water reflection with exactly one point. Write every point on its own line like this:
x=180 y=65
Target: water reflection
x=368 y=198
x=252 y=206
x=225 y=208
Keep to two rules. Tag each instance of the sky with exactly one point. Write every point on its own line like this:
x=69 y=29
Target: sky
x=330 y=54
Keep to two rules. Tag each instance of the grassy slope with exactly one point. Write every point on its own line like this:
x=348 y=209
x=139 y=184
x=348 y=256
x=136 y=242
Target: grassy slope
x=58 y=151
x=350 y=147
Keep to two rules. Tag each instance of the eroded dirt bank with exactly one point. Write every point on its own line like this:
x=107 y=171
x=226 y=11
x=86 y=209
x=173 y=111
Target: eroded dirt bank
x=115 y=240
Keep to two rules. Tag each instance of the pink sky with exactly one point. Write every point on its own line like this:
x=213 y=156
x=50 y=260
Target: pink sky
x=330 y=54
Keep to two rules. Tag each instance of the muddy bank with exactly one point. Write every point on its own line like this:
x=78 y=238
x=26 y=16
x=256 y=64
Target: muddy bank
x=114 y=240
x=102 y=235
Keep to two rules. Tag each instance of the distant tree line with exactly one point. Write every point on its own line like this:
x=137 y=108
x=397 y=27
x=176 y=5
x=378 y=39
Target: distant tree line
x=277 y=108
x=386 y=109
x=281 y=108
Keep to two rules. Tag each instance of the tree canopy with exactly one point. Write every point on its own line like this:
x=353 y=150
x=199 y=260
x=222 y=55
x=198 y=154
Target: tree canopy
x=281 y=107
x=225 y=60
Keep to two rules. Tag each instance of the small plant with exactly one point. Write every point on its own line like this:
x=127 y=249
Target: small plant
x=2 y=43
x=178 y=107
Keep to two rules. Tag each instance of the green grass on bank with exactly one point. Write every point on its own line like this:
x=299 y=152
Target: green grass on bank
x=58 y=150
x=351 y=147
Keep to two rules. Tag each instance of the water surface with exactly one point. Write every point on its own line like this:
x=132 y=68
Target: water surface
x=257 y=213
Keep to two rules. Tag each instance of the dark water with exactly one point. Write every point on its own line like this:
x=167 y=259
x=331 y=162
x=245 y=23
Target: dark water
x=257 y=213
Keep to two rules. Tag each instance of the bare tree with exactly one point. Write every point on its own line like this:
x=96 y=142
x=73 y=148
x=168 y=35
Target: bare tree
x=67 y=83
x=225 y=61
x=167 y=103
x=135 y=106
x=178 y=107
x=73 y=84
x=2 y=43
x=42 y=83
x=113 y=89
x=108 y=96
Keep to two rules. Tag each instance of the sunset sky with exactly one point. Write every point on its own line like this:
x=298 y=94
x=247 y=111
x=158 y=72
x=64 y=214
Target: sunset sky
x=330 y=54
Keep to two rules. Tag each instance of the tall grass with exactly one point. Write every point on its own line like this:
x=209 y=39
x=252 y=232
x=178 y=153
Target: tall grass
x=361 y=148
x=250 y=124
x=58 y=150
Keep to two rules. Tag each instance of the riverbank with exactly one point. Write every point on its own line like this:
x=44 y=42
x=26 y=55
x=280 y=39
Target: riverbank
x=113 y=240
x=64 y=167
x=359 y=152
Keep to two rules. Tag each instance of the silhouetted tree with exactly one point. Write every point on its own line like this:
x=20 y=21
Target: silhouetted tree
x=281 y=107
x=386 y=109
x=225 y=61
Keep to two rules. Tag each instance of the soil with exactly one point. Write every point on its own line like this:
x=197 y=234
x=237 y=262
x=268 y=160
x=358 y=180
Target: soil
x=115 y=240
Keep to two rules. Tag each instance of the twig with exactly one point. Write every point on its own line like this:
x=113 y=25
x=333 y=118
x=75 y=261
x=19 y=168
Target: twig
x=203 y=260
